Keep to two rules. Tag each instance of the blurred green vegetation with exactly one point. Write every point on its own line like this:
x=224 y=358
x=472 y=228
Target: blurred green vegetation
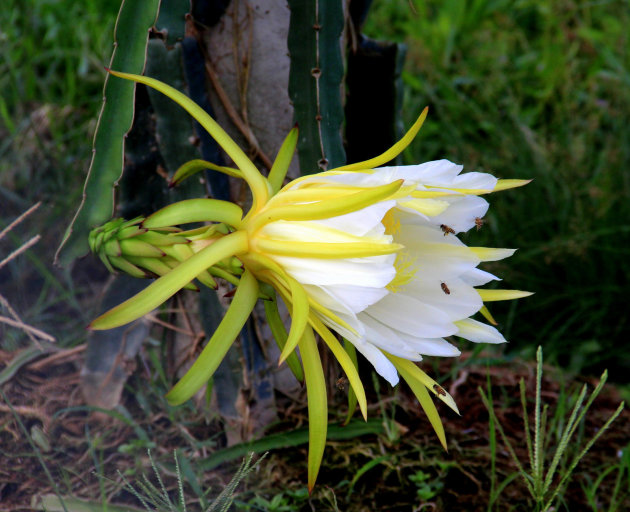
x=523 y=89
x=534 y=89
x=52 y=54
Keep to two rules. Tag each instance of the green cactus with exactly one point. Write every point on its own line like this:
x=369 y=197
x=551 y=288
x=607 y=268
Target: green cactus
x=130 y=40
x=315 y=80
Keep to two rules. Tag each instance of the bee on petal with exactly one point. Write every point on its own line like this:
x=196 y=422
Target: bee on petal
x=447 y=229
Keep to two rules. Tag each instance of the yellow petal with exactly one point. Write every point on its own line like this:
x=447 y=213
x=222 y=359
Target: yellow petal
x=252 y=176
x=194 y=166
x=300 y=311
x=324 y=250
x=506 y=184
x=392 y=152
x=344 y=360
x=279 y=332
x=213 y=353
x=495 y=295
x=195 y=210
x=283 y=159
x=327 y=208
x=317 y=404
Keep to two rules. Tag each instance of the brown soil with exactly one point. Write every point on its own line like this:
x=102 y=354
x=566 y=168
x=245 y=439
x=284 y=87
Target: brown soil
x=79 y=443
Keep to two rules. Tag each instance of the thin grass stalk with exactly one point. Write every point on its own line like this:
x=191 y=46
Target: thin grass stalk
x=537 y=470
x=161 y=483
x=544 y=442
x=508 y=445
x=133 y=491
x=572 y=426
x=579 y=457
x=180 y=482
x=564 y=440
x=624 y=465
x=528 y=435
x=97 y=464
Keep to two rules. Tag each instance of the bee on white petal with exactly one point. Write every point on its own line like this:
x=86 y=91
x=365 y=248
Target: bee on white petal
x=447 y=229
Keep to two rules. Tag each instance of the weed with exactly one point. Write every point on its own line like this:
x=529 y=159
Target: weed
x=540 y=481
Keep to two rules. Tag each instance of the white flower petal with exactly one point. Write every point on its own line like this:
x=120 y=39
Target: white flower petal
x=363 y=222
x=346 y=298
x=404 y=345
x=411 y=316
x=475 y=181
x=462 y=300
x=478 y=277
x=381 y=364
x=377 y=271
x=387 y=339
x=462 y=212
x=435 y=173
x=478 y=332
x=431 y=346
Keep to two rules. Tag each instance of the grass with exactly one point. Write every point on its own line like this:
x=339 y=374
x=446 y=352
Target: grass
x=549 y=431
x=51 y=77
x=51 y=57
x=538 y=90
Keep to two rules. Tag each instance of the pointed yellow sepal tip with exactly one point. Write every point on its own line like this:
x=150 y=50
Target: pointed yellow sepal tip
x=497 y=295
x=507 y=184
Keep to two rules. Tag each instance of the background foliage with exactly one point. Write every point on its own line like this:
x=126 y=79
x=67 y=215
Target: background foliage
x=535 y=89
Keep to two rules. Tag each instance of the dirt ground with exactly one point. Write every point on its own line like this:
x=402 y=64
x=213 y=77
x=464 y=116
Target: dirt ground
x=74 y=443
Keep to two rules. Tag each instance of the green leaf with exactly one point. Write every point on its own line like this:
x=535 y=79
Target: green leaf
x=97 y=206
x=213 y=353
x=289 y=439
